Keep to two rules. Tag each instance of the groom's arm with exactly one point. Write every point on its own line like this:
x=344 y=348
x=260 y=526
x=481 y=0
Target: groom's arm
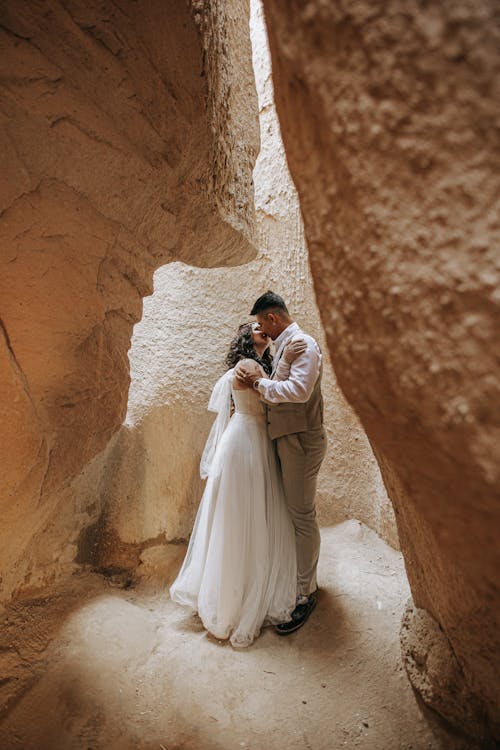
x=299 y=385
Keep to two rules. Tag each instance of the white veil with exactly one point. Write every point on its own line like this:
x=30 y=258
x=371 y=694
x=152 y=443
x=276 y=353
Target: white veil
x=220 y=402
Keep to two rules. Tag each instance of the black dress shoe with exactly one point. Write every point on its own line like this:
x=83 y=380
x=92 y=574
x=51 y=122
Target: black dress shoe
x=299 y=616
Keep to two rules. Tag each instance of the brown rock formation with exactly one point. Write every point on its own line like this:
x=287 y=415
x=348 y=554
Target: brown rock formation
x=118 y=154
x=390 y=115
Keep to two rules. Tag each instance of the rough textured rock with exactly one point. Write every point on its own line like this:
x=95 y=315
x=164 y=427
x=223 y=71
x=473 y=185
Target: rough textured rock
x=390 y=117
x=119 y=153
x=178 y=349
x=435 y=672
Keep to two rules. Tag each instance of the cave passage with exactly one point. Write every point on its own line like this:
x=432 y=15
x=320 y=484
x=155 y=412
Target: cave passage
x=153 y=189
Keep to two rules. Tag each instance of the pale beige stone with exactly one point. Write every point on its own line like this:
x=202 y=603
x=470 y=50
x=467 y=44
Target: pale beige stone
x=111 y=666
x=177 y=354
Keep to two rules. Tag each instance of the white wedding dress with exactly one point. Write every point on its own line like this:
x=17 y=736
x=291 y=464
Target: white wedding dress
x=240 y=568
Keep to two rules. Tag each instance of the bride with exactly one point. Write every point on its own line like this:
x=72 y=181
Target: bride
x=240 y=569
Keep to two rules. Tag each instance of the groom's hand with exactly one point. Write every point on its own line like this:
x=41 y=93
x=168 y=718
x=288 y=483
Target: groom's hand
x=246 y=377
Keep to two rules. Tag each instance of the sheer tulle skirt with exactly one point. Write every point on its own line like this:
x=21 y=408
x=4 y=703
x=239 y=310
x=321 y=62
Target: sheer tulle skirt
x=240 y=568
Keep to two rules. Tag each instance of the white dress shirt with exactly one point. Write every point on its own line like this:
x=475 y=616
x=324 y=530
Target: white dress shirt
x=304 y=371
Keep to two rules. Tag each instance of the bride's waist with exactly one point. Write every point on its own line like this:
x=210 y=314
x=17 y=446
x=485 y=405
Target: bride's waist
x=250 y=415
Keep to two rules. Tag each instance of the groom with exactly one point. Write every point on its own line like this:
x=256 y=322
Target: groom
x=294 y=414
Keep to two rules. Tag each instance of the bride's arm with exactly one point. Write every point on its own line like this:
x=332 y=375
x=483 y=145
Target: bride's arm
x=292 y=351
x=246 y=365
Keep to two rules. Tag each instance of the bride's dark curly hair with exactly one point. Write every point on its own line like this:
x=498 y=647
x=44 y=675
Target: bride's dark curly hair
x=242 y=347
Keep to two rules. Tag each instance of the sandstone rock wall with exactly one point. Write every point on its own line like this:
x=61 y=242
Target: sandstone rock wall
x=178 y=352
x=119 y=153
x=390 y=117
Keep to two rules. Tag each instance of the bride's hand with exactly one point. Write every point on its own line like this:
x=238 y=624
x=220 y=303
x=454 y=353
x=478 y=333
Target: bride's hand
x=293 y=350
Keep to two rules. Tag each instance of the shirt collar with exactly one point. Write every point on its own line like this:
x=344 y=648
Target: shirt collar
x=285 y=335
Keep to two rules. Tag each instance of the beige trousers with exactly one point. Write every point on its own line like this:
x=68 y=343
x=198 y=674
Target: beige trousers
x=301 y=455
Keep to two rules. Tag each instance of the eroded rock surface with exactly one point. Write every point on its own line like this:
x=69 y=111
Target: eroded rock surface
x=434 y=671
x=152 y=485
x=390 y=115
x=125 y=144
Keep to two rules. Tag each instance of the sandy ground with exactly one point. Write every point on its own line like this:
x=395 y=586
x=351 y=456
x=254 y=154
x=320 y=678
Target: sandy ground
x=101 y=664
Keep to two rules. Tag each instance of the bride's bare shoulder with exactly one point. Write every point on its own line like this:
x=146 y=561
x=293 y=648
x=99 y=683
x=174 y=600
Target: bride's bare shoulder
x=248 y=364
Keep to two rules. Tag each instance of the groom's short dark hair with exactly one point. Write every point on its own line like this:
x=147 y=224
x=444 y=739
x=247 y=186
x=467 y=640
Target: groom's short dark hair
x=269 y=301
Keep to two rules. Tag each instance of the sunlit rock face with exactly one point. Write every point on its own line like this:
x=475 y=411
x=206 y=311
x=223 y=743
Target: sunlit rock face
x=125 y=144
x=390 y=114
x=178 y=352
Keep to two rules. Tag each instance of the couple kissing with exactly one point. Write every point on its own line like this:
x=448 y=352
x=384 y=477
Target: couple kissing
x=253 y=552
